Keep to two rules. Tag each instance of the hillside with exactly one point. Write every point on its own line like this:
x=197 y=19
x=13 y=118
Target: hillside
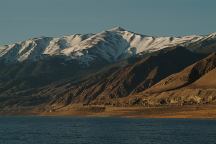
x=206 y=81
x=104 y=86
x=193 y=85
x=115 y=67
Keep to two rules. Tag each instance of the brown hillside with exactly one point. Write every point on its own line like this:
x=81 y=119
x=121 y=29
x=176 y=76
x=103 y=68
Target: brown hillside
x=194 y=85
x=186 y=76
x=207 y=81
x=107 y=85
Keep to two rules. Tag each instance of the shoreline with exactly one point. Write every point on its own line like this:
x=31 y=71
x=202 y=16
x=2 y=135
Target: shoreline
x=167 y=112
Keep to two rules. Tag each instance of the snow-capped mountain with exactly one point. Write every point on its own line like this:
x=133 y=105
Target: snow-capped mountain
x=109 y=45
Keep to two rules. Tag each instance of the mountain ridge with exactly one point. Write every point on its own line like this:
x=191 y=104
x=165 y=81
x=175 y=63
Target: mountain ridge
x=114 y=67
x=109 y=45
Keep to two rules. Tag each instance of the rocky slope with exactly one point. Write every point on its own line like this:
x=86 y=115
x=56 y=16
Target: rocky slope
x=105 y=86
x=193 y=85
x=113 y=67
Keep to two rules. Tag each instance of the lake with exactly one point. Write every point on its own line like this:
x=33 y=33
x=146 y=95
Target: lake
x=82 y=130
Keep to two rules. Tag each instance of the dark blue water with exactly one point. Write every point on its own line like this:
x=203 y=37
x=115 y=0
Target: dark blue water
x=71 y=130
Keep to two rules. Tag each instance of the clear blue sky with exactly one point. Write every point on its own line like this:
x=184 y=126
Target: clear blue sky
x=23 y=19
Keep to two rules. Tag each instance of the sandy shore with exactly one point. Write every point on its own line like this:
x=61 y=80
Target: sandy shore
x=195 y=111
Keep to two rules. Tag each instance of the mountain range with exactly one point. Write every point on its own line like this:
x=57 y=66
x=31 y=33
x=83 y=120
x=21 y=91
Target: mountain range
x=113 y=67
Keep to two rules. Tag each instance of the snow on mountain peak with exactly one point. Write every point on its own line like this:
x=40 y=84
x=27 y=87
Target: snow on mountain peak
x=212 y=35
x=115 y=29
x=110 y=45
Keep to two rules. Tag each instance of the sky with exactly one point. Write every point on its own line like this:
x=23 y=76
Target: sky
x=24 y=19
